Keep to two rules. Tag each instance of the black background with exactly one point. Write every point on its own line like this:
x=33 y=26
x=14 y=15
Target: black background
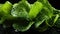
x=10 y=30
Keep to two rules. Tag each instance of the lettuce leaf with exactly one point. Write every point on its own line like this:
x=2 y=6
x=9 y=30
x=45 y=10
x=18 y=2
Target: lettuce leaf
x=22 y=28
x=35 y=9
x=20 y=10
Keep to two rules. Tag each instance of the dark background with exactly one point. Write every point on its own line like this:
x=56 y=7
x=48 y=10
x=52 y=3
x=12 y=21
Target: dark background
x=10 y=30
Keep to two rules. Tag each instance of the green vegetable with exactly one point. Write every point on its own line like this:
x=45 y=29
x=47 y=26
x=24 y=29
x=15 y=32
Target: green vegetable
x=38 y=23
x=56 y=18
x=51 y=22
x=40 y=19
x=20 y=10
x=1 y=5
x=5 y=11
x=43 y=27
x=6 y=7
x=22 y=15
x=35 y=9
x=57 y=24
x=21 y=28
x=42 y=16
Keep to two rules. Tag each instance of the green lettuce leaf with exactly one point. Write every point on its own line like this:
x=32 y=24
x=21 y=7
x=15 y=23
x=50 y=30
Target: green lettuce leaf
x=57 y=24
x=42 y=16
x=43 y=27
x=6 y=8
x=5 y=11
x=35 y=9
x=21 y=9
x=22 y=28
